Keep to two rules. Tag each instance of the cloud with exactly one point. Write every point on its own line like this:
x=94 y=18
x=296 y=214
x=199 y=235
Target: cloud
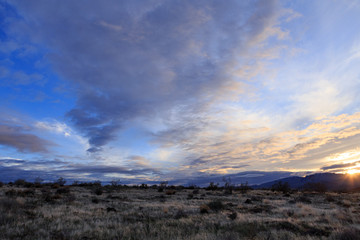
x=215 y=146
x=49 y=170
x=340 y=166
x=16 y=137
x=134 y=60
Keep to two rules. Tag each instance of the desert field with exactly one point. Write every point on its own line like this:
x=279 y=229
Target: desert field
x=118 y=212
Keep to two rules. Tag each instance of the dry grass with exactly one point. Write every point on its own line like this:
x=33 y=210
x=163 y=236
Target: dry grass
x=130 y=213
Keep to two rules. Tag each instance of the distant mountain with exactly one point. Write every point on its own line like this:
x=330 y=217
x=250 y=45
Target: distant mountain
x=332 y=181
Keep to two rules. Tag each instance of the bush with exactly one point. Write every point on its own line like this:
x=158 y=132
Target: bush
x=63 y=190
x=216 y=205
x=10 y=205
x=347 y=234
x=281 y=187
x=11 y=193
x=204 y=209
x=28 y=192
x=98 y=191
x=170 y=192
x=196 y=191
x=180 y=214
x=244 y=188
x=232 y=215
x=316 y=187
x=19 y=182
x=61 y=181
x=212 y=186
x=1 y=184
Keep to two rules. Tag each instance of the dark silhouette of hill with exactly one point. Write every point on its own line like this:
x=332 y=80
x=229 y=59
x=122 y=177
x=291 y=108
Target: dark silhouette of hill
x=331 y=181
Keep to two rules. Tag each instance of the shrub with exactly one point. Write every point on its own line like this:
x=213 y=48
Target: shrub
x=347 y=234
x=19 y=182
x=330 y=198
x=1 y=184
x=69 y=198
x=216 y=205
x=28 y=192
x=11 y=193
x=47 y=197
x=303 y=199
x=9 y=205
x=196 y=191
x=281 y=187
x=180 y=214
x=98 y=191
x=204 y=209
x=212 y=186
x=316 y=187
x=244 y=188
x=232 y=215
x=63 y=190
x=170 y=192
x=144 y=186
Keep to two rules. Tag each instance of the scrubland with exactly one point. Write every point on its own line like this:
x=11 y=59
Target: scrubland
x=75 y=212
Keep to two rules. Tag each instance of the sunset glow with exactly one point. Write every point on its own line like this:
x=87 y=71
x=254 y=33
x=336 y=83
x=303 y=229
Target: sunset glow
x=353 y=171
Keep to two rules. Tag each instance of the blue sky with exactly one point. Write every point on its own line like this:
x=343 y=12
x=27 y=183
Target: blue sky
x=184 y=91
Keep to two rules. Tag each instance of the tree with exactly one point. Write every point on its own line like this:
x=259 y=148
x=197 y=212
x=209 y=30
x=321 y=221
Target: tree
x=212 y=186
x=38 y=180
x=227 y=186
x=61 y=181
x=115 y=182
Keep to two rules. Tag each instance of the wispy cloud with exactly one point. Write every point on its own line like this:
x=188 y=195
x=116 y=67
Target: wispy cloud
x=340 y=166
x=130 y=64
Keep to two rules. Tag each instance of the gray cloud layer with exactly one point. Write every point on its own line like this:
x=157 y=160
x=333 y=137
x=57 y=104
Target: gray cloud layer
x=132 y=59
x=11 y=169
x=16 y=137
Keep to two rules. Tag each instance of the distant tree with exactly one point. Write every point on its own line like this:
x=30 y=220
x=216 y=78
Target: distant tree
x=162 y=186
x=244 y=187
x=20 y=182
x=115 y=182
x=144 y=185
x=75 y=183
x=97 y=183
x=61 y=181
x=38 y=180
x=212 y=186
x=227 y=186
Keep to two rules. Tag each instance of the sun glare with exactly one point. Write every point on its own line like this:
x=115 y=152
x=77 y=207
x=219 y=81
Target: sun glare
x=353 y=171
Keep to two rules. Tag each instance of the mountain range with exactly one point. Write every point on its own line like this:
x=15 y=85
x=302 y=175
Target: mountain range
x=328 y=181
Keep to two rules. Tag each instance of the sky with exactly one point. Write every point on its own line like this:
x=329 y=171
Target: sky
x=180 y=91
